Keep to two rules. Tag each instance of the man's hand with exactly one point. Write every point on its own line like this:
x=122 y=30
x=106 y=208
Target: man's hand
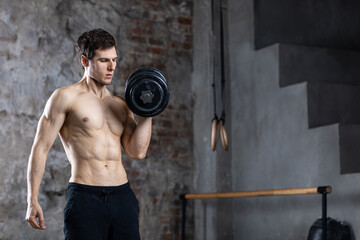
x=34 y=211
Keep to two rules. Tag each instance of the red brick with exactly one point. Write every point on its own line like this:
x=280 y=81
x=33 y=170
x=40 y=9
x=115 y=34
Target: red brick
x=167 y=141
x=135 y=21
x=138 y=39
x=164 y=219
x=183 y=107
x=171 y=141
x=136 y=190
x=182 y=54
x=147 y=24
x=166 y=237
x=136 y=31
x=133 y=173
x=175 y=211
x=168 y=133
x=155 y=42
x=174 y=45
x=189 y=38
x=126 y=162
x=166 y=123
x=156 y=7
x=146 y=14
x=154 y=141
x=187 y=134
x=147 y=31
x=184 y=20
x=186 y=46
x=184 y=160
x=155 y=51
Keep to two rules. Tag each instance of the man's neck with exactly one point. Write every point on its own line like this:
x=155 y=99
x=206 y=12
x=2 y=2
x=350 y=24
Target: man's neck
x=94 y=87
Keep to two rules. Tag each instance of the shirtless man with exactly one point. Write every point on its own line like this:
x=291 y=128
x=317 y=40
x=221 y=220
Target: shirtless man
x=92 y=125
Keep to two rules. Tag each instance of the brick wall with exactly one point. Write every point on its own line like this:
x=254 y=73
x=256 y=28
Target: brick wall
x=160 y=35
x=38 y=57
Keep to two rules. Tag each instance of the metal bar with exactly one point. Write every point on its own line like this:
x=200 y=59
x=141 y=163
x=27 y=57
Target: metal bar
x=259 y=193
x=183 y=224
x=323 y=191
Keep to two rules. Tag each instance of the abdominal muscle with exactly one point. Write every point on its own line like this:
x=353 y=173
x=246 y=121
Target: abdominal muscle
x=95 y=157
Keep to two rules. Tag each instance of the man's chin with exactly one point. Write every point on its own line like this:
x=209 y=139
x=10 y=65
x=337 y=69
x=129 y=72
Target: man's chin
x=105 y=81
x=100 y=81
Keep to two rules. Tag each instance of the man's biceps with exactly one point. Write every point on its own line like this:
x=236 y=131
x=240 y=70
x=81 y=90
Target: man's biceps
x=130 y=126
x=55 y=115
x=125 y=138
x=54 y=120
x=47 y=132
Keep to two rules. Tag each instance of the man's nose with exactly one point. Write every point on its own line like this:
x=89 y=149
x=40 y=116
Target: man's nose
x=112 y=65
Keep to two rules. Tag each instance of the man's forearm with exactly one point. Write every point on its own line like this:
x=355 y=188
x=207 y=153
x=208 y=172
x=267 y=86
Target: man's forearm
x=35 y=173
x=140 y=139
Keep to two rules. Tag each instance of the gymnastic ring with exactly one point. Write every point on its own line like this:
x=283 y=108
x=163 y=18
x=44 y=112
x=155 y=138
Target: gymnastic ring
x=213 y=134
x=223 y=136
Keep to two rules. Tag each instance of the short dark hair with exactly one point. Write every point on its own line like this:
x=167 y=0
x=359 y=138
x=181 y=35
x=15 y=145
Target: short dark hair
x=92 y=40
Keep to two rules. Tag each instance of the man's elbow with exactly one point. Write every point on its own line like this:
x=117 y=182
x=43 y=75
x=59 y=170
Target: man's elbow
x=138 y=156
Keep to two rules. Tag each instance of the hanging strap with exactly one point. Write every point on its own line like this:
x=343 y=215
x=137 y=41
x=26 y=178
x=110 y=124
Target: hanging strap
x=222 y=118
x=223 y=134
x=215 y=119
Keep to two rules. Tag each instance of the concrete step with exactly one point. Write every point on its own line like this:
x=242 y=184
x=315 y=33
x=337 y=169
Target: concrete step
x=329 y=24
x=349 y=137
x=321 y=99
x=332 y=103
x=312 y=64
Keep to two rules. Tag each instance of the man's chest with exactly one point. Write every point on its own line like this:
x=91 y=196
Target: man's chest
x=90 y=113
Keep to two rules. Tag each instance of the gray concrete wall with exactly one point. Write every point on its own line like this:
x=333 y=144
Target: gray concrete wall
x=205 y=163
x=213 y=218
x=271 y=144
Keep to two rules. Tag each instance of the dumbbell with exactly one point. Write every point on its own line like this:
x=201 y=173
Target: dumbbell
x=147 y=92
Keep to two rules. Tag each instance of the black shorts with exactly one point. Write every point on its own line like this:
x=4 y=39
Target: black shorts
x=101 y=213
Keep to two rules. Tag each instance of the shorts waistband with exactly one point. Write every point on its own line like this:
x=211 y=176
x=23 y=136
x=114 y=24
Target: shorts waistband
x=99 y=189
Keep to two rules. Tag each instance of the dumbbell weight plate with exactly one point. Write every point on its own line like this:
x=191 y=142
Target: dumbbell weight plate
x=146 y=92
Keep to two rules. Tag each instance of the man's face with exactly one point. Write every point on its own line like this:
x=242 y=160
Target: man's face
x=102 y=65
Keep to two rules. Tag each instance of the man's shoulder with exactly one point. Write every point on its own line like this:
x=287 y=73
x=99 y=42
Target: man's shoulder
x=64 y=96
x=120 y=103
x=68 y=91
x=118 y=99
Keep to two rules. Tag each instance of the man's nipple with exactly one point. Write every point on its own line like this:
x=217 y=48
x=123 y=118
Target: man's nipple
x=85 y=119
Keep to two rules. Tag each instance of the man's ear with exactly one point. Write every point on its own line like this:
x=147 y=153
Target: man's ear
x=84 y=61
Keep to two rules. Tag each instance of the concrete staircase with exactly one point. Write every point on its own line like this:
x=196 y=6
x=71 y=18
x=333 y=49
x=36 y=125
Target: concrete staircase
x=318 y=44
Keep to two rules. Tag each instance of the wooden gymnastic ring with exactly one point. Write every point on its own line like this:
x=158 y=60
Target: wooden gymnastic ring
x=213 y=134
x=223 y=136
